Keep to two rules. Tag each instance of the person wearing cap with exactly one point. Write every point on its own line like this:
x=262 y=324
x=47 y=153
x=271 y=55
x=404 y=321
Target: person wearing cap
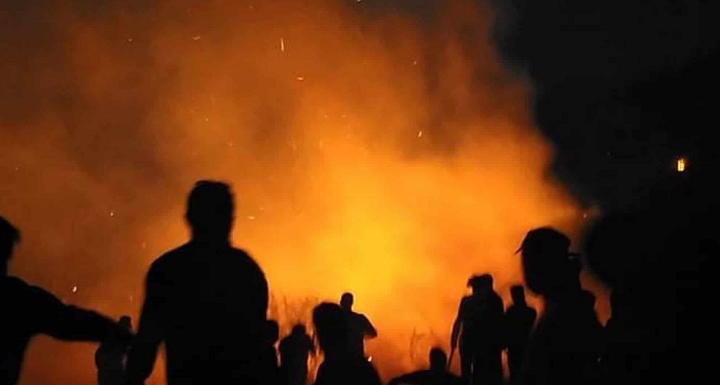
x=565 y=348
x=477 y=333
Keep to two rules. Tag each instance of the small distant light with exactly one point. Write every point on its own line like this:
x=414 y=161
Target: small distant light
x=196 y=38
x=251 y=217
x=369 y=357
x=112 y=213
x=681 y=165
x=130 y=40
x=420 y=134
x=300 y=78
x=74 y=289
x=585 y=215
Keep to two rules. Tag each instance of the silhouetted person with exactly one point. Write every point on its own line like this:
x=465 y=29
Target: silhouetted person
x=30 y=310
x=207 y=301
x=110 y=358
x=295 y=349
x=436 y=375
x=270 y=356
x=566 y=345
x=340 y=366
x=519 y=320
x=478 y=328
x=360 y=326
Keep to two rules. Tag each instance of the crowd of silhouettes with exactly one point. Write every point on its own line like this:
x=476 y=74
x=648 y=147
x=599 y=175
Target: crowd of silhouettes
x=207 y=302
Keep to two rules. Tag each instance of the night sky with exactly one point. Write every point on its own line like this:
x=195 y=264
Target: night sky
x=623 y=87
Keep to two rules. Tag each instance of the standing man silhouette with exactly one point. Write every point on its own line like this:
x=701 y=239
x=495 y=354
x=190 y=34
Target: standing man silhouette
x=360 y=326
x=478 y=329
x=207 y=301
x=519 y=320
x=295 y=349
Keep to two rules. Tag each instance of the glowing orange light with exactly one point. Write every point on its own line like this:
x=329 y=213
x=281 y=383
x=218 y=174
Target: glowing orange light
x=681 y=165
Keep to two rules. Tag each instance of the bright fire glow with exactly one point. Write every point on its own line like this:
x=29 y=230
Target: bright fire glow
x=335 y=191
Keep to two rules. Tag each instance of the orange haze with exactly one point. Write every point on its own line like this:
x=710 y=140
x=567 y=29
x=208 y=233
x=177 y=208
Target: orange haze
x=371 y=149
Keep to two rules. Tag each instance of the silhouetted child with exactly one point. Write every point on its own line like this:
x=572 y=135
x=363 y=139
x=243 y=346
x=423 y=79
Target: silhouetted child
x=436 y=375
x=110 y=358
x=340 y=366
x=478 y=329
x=295 y=349
x=207 y=301
x=360 y=326
x=519 y=320
x=30 y=310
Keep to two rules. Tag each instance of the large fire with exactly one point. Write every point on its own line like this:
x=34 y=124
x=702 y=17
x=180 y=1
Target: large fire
x=372 y=149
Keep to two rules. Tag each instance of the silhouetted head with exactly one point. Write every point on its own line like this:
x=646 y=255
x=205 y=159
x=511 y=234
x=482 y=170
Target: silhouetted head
x=299 y=329
x=210 y=210
x=9 y=236
x=517 y=293
x=549 y=266
x=346 y=301
x=125 y=321
x=481 y=284
x=438 y=360
x=331 y=328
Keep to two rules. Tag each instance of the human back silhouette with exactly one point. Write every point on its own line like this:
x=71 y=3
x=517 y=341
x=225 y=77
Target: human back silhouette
x=29 y=310
x=295 y=349
x=207 y=301
x=478 y=329
x=519 y=320
x=360 y=326
x=340 y=366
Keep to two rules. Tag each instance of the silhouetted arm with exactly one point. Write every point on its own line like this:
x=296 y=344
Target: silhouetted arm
x=141 y=357
x=457 y=327
x=54 y=318
x=369 y=331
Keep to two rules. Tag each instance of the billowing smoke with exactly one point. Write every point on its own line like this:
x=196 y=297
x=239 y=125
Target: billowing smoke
x=371 y=149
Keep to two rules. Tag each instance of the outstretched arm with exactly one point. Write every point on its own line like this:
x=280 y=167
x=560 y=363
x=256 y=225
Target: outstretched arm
x=141 y=357
x=72 y=323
